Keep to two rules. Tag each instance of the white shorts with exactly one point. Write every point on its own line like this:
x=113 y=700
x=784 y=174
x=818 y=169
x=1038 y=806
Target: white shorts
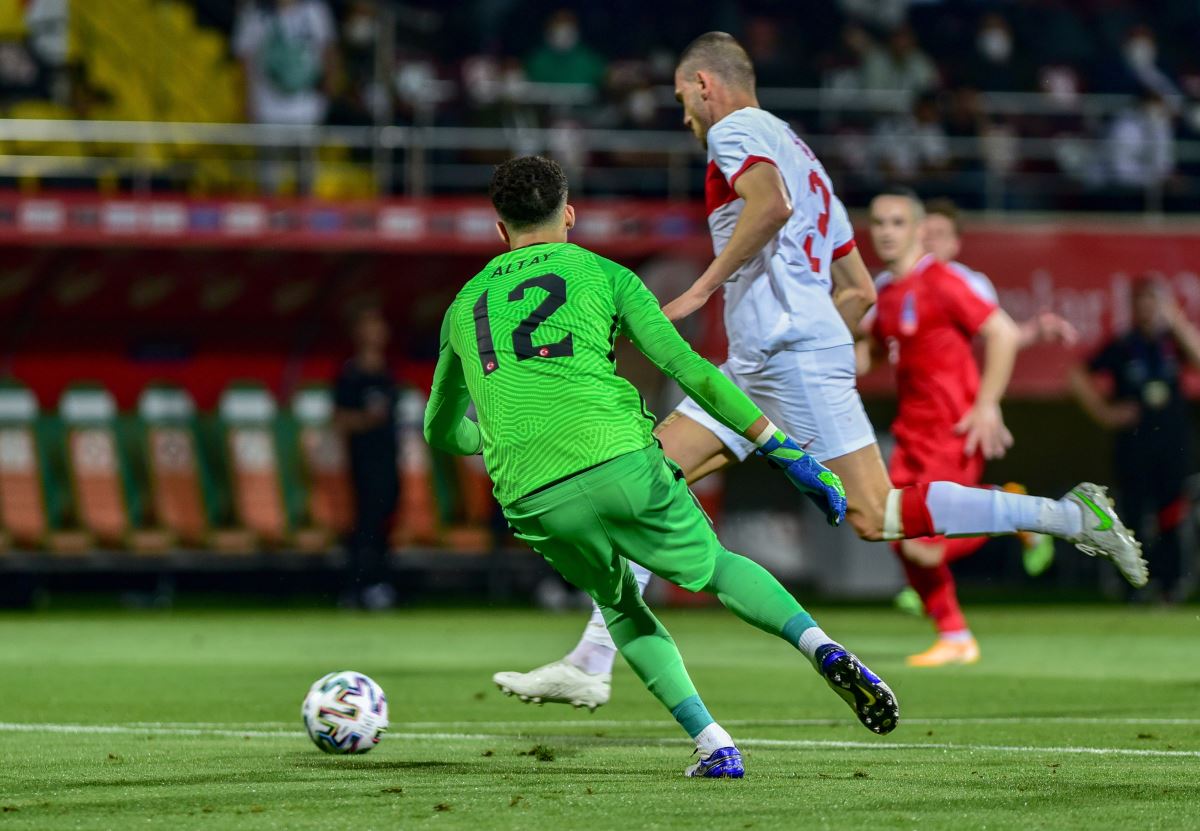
x=811 y=396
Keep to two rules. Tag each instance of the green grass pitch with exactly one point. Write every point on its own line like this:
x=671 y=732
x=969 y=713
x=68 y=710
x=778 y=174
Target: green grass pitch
x=1077 y=717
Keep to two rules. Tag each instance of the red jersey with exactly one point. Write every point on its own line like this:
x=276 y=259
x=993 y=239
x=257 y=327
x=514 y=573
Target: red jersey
x=927 y=320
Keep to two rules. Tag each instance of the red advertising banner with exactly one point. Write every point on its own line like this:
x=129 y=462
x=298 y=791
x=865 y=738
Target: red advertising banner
x=1081 y=270
x=91 y=272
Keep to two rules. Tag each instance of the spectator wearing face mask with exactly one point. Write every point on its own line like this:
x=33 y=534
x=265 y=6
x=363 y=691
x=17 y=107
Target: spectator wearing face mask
x=289 y=56
x=995 y=66
x=287 y=48
x=1137 y=69
x=563 y=58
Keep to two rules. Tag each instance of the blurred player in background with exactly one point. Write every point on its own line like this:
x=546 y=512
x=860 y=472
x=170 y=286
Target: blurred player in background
x=795 y=288
x=365 y=413
x=949 y=421
x=529 y=341
x=942 y=231
x=943 y=239
x=1151 y=418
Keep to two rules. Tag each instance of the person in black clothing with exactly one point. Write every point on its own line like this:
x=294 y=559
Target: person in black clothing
x=365 y=413
x=1151 y=418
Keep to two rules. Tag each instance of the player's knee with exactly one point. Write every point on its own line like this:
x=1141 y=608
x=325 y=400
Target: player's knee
x=922 y=554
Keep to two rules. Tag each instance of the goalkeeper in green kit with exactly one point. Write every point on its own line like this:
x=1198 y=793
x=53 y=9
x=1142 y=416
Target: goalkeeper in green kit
x=581 y=478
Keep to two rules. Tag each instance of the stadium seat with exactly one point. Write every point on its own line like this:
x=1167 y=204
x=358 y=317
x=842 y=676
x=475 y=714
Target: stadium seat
x=417 y=513
x=98 y=473
x=174 y=466
x=23 y=520
x=247 y=413
x=323 y=465
x=474 y=533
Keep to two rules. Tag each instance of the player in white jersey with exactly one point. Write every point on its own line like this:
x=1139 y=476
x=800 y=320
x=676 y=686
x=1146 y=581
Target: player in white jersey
x=795 y=288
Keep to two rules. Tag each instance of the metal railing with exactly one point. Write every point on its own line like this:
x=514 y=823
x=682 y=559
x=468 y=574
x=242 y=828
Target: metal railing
x=421 y=160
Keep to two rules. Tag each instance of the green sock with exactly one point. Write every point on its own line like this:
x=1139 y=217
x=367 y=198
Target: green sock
x=692 y=715
x=753 y=594
x=652 y=655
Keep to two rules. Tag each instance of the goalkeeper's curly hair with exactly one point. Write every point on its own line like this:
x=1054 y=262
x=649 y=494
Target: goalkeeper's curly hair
x=528 y=191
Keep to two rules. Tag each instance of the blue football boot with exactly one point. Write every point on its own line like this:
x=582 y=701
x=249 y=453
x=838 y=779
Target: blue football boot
x=722 y=763
x=871 y=700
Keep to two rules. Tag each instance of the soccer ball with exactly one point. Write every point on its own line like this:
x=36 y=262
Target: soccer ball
x=345 y=712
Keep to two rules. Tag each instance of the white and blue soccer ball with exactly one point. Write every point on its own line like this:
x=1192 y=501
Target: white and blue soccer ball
x=345 y=712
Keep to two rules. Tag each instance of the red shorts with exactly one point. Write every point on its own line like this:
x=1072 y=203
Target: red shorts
x=945 y=461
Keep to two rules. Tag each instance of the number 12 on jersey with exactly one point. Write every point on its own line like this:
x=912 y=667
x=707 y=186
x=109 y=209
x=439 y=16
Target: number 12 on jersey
x=522 y=336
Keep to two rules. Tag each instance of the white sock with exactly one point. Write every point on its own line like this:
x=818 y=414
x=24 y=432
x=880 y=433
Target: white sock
x=812 y=639
x=595 y=653
x=712 y=738
x=959 y=511
x=958 y=636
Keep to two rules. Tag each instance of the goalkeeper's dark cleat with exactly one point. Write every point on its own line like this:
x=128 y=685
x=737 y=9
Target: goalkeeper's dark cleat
x=868 y=696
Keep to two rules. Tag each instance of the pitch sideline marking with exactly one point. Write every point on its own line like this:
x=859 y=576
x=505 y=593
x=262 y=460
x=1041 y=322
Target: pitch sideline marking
x=830 y=744
x=586 y=722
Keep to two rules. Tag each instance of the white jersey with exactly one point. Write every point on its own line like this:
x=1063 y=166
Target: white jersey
x=780 y=299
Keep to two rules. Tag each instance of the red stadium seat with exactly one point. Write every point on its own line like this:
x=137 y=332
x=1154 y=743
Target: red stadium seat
x=247 y=413
x=323 y=462
x=23 y=520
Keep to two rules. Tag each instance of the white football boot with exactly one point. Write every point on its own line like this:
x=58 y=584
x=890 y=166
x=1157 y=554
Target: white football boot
x=560 y=682
x=1105 y=535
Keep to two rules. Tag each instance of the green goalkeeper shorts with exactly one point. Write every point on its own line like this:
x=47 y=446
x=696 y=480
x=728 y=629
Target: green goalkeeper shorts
x=634 y=507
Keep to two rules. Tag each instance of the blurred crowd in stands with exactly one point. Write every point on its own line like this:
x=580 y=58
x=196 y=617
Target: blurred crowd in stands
x=916 y=90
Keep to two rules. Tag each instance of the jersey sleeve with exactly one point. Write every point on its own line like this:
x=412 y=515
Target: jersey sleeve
x=977 y=280
x=841 y=232
x=642 y=321
x=966 y=306
x=446 y=425
x=736 y=146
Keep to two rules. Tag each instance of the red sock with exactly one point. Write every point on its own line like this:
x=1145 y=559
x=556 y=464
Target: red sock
x=914 y=514
x=936 y=588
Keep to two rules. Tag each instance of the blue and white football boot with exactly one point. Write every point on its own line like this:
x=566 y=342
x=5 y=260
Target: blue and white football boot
x=722 y=763
x=868 y=696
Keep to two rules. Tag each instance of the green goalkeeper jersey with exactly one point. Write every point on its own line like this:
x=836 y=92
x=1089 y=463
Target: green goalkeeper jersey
x=530 y=339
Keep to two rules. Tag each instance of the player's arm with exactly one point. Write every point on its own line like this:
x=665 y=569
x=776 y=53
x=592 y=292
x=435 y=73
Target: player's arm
x=645 y=324
x=1100 y=408
x=853 y=288
x=983 y=424
x=1047 y=327
x=768 y=208
x=1111 y=415
x=446 y=425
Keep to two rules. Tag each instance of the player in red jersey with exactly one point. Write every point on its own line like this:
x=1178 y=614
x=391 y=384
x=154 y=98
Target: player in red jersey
x=949 y=420
x=942 y=236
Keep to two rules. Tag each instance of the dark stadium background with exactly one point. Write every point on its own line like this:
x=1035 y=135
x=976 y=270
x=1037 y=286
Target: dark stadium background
x=151 y=231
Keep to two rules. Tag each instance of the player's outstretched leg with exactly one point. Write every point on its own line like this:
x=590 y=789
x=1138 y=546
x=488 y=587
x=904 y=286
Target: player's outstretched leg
x=753 y=594
x=654 y=658
x=1085 y=516
x=583 y=678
